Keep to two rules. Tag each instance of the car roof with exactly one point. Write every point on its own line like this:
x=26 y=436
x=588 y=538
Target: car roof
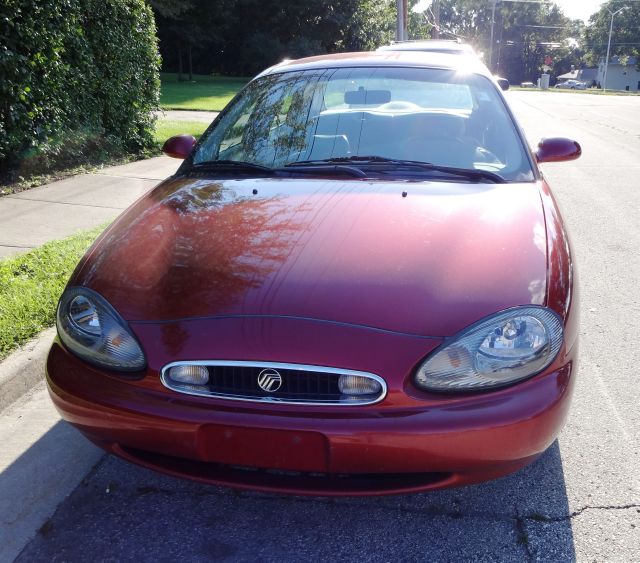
x=419 y=59
x=434 y=45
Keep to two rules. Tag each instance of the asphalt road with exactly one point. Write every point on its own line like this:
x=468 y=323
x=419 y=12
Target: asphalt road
x=581 y=500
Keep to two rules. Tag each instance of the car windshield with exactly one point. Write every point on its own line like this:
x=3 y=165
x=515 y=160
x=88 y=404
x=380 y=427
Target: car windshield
x=442 y=117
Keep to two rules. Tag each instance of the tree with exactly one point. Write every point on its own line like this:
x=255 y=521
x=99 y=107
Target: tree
x=534 y=32
x=78 y=79
x=373 y=24
x=625 y=37
x=242 y=37
x=524 y=34
x=420 y=24
x=170 y=8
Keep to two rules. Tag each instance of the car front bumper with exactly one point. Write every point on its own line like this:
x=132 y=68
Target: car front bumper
x=386 y=448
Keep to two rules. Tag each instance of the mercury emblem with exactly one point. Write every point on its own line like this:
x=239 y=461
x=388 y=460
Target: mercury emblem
x=269 y=380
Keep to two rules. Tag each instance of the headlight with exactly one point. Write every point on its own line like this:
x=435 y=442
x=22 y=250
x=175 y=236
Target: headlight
x=90 y=328
x=500 y=350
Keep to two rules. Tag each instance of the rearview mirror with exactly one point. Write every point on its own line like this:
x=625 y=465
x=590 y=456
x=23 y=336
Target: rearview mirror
x=558 y=149
x=367 y=97
x=179 y=146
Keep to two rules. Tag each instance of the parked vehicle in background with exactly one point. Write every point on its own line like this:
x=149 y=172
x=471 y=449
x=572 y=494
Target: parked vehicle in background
x=451 y=47
x=527 y=85
x=357 y=282
x=571 y=85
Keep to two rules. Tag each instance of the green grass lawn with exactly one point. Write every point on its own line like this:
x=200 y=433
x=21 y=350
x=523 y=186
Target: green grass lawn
x=210 y=93
x=166 y=128
x=31 y=284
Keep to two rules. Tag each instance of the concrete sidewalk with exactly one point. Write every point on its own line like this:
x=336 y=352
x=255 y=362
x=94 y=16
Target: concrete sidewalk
x=43 y=459
x=187 y=115
x=54 y=211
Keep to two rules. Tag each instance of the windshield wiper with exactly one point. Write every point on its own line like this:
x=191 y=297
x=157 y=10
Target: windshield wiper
x=342 y=159
x=471 y=173
x=305 y=168
x=340 y=165
x=322 y=167
x=232 y=165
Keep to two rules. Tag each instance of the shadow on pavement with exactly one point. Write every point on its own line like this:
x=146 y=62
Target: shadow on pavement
x=32 y=486
x=123 y=512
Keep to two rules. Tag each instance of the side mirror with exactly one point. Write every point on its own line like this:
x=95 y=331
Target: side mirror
x=558 y=149
x=503 y=83
x=179 y=146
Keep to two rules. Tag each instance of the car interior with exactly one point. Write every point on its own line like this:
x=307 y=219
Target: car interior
x=444 y=124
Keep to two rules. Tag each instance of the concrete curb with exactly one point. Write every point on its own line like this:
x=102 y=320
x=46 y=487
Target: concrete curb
x=24 y=368
x=42 y=461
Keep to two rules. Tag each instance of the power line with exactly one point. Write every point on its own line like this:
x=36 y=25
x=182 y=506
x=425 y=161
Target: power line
x=563 y=26
x=509 y=43
x=551 y=26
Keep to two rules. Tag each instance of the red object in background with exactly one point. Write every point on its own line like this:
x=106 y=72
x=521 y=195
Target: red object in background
x=548 y=60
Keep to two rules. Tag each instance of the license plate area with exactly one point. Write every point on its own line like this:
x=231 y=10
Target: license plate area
x=264 y=448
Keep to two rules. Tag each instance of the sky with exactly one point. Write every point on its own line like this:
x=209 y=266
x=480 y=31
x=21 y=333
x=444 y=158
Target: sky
x=574 y=9
x=579 y=9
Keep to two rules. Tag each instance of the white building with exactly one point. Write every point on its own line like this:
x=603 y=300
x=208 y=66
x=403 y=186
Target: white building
x=620 y=76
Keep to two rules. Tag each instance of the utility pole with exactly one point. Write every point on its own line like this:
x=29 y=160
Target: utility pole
x=493 y=22
x=401 y=26
x=606 y=62
x=405 y=10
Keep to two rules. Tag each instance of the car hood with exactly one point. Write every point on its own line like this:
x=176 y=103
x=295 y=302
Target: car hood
x=424 y=258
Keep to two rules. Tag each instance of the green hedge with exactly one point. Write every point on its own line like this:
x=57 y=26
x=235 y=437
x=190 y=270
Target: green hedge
x=76 y=73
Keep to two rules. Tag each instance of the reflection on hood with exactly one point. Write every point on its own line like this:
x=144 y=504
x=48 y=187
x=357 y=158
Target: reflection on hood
x=355 y=252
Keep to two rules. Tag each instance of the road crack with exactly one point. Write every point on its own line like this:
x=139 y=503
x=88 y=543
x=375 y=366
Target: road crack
x=542 y=518
x=523 y=538
x=433 y=510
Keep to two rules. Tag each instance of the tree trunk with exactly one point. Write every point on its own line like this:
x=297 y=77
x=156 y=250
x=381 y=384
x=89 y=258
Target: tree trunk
x=190 y=66
x=180 y=61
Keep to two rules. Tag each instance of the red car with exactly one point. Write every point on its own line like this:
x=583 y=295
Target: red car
x=357 y=282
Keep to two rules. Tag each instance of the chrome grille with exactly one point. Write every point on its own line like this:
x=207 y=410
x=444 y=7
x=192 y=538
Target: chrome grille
x=300 y=384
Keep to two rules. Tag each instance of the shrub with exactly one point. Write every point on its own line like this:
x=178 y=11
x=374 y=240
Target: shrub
x=76 y=75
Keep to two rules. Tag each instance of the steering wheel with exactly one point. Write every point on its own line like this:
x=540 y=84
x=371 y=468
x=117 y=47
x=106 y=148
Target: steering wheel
x=440 y=149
